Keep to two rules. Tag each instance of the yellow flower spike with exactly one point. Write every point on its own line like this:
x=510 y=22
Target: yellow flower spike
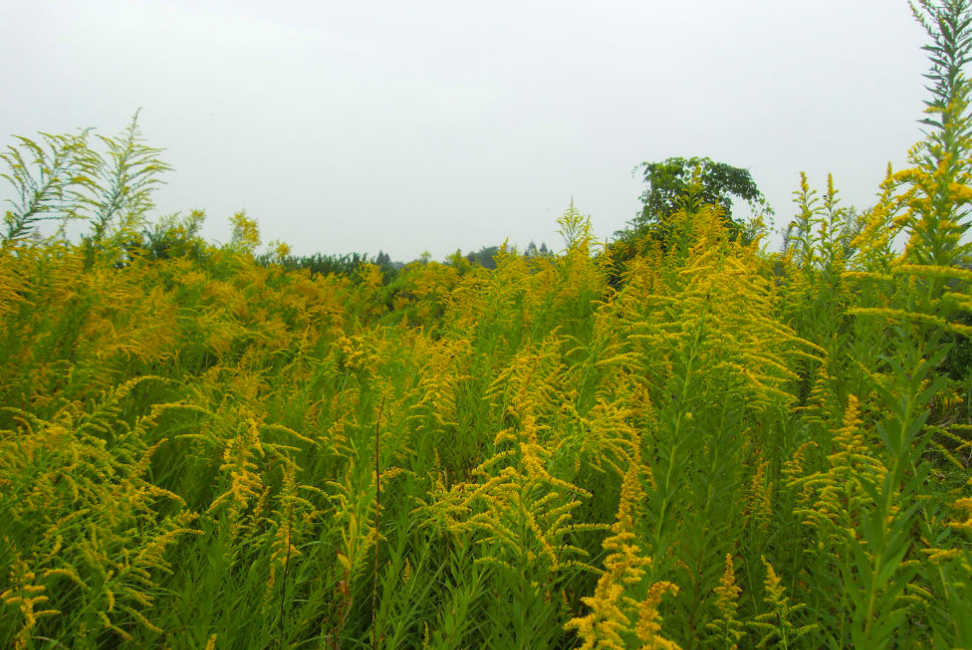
x=612 y=612
x=649 y=620
x=727 y=625
x=776 y=622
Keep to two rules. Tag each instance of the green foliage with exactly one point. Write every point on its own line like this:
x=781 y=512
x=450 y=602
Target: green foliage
x=679 y=184
x=947 y=24
x=125 y=180
x=484 y=257
x=50 y=178
x=708 y=182
x=62 y=177
x=174 y=236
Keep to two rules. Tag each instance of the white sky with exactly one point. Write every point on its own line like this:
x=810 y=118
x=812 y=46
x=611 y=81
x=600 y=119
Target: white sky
x=431 y=125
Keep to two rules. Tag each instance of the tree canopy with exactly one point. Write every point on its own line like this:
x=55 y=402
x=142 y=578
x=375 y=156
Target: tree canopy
x=716 y=183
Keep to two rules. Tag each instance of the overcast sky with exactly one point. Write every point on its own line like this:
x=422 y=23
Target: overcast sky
x=432 y=125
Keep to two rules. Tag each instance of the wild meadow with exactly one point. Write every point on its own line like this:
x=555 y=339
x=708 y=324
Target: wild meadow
x=683 y=440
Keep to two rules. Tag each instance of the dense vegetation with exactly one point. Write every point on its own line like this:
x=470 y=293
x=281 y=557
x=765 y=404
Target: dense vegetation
x=203 y=447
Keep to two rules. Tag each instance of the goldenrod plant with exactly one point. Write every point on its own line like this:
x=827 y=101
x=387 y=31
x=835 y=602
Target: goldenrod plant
x=699 y=444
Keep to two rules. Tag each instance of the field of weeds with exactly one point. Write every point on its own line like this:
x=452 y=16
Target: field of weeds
x=696 y=444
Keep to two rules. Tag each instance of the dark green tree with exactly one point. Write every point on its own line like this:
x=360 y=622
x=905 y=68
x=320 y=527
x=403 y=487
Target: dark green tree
x=717 y=184
x=683 y=182
x=484 y=257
